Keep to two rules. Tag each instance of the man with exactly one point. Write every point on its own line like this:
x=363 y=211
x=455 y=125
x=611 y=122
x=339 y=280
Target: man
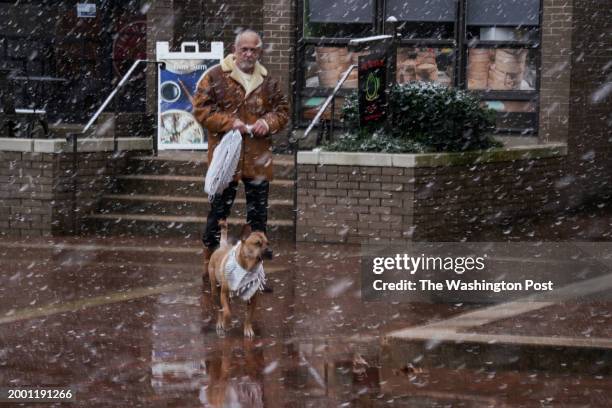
x=239 y=94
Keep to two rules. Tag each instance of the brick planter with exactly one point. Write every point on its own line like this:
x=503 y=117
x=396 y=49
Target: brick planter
x=365 y=197
x=36 y=181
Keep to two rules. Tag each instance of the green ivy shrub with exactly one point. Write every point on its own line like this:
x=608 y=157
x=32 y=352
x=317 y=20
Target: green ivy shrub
x=421 y=117
x=365 y=140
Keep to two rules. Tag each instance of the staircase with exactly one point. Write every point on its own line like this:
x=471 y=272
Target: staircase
x=164 y=196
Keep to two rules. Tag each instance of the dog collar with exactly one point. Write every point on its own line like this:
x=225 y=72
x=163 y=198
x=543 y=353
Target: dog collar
x=243 y=283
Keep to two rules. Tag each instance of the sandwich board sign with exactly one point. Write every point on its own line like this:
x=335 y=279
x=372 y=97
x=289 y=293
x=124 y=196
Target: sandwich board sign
x=178 y=78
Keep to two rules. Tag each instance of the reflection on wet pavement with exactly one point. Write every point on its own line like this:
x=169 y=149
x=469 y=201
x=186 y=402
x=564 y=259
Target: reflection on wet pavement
x=125 y=323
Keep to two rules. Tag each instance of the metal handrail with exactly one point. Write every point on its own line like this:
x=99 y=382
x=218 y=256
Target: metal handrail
x=329 y=99
x=73 y=137
x=114 y=92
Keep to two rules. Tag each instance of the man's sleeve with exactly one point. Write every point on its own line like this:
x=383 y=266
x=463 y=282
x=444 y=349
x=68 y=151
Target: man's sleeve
x=206 y=109
x=278 y=117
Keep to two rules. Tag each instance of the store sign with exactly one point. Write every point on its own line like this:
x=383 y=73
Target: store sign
x=86 y=10
x=372 y=71
x=178 y=80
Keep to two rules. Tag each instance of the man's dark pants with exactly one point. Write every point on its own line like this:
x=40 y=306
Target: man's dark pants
x=256 y=192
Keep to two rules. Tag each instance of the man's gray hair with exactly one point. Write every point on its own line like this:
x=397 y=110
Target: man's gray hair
x=248 y=31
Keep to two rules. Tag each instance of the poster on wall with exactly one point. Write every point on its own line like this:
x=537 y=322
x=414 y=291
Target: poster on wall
x=178 y=78
x=372 y=81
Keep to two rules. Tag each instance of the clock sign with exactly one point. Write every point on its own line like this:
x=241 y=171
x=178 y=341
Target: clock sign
x=178 y=79
x=181 y=127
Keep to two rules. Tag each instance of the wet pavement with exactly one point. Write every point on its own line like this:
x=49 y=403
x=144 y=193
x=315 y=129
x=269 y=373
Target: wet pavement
x=583 y=318
x=124 y=322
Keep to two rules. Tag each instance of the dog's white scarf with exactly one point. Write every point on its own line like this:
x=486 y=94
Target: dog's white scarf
x=241 y=282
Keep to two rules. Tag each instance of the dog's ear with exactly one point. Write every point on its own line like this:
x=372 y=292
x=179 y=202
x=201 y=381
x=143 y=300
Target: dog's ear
x=246 y=231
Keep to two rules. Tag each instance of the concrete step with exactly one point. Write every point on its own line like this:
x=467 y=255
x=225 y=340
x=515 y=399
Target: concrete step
x=166 y=225
x=183 y=205
x=177 y=185
x=195 y=164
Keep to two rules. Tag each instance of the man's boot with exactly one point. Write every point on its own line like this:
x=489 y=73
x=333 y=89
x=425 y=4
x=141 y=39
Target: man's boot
x=207 y=254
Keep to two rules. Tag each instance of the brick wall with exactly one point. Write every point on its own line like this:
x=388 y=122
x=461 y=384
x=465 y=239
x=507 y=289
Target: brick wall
x=36 y=189
x=353 y=203
x=95 y=176
x=211 y=20
x=375 y=204
x=26 y=191
x=278 y=31
x=556 y=52
x=590 y=118
x=279 y=19
x=451 y=203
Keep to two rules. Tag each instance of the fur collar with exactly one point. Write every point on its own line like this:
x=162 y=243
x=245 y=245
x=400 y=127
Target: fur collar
x=228 y=65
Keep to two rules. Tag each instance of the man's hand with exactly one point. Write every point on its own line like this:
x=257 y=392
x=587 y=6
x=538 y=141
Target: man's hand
x=240 y=126
x=260 y=128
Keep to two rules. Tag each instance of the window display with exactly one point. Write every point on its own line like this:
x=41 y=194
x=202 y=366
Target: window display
x=501 y=69
x=324 y=67
x=487 y=46
x=425 y=64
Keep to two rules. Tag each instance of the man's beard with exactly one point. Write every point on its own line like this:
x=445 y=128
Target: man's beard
x=245 y=66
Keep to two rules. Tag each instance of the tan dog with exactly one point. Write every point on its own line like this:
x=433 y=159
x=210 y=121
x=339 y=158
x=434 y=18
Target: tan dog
x=248 y=256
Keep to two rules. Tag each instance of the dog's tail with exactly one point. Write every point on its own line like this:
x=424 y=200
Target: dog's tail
x=223 y=227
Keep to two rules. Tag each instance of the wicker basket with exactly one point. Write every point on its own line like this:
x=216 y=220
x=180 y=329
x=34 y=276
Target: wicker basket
x=330 y=61
x=427 y=72
x=351 y=81
x=503 y=80
x=510 y=61
x=407 y=71
x=477 y=83
x=353 y=57
x=479 y=62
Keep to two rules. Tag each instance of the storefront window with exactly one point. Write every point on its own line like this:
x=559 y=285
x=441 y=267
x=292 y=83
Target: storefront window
x=498 y=41
x=502 y=40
